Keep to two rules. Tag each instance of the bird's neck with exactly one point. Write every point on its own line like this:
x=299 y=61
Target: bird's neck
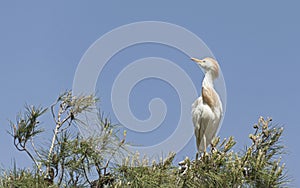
x=208 y=80
x=209 y=94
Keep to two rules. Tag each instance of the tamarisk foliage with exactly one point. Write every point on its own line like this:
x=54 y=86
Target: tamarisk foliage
x=73 y=161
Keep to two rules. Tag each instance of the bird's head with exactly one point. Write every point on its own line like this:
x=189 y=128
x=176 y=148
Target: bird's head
x=209 y=65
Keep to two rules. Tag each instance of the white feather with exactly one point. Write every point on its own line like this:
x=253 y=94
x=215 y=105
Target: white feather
x=207 y=112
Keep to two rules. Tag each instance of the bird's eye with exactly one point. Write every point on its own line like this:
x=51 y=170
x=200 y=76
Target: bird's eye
x=204 y=61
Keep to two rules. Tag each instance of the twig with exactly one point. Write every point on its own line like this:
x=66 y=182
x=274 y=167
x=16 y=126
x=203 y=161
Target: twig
x=86 y=176
x=62 y=172
x=52 y=111
x=65 y=128
x=29 y=154
x=34 y=148
x=56 y=131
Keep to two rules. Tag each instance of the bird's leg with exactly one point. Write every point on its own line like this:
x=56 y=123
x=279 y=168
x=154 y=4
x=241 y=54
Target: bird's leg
x=204 y=141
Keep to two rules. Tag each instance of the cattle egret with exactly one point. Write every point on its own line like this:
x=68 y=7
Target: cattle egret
x=207 y=109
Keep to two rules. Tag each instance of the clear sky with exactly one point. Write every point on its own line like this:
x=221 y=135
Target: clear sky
x=256 y=44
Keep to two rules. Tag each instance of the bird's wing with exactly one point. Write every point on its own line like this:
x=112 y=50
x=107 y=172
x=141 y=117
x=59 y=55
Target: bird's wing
x=210 y=131
x=196 y=114
x=202 y=116
x=205 y=127
x=213 y=125
x=212 y=99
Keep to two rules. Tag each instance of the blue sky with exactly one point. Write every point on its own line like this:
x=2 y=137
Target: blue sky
x=256 y=44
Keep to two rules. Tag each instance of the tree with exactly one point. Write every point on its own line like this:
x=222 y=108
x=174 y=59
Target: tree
x=71 y=160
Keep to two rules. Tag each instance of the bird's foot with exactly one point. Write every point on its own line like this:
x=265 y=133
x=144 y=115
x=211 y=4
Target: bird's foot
x=197 y=155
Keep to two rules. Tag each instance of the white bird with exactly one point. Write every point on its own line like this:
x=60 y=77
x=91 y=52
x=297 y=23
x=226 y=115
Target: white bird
x=207 y=109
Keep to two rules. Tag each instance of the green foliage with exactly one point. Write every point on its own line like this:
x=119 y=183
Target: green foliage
x=73 y=161
x=258 y=166
x=70 y=160
x=136 y=173
x=22 y=178
x=26 y=128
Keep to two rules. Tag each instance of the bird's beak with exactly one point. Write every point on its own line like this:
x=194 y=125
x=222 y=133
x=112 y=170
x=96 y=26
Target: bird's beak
x=196 y=60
